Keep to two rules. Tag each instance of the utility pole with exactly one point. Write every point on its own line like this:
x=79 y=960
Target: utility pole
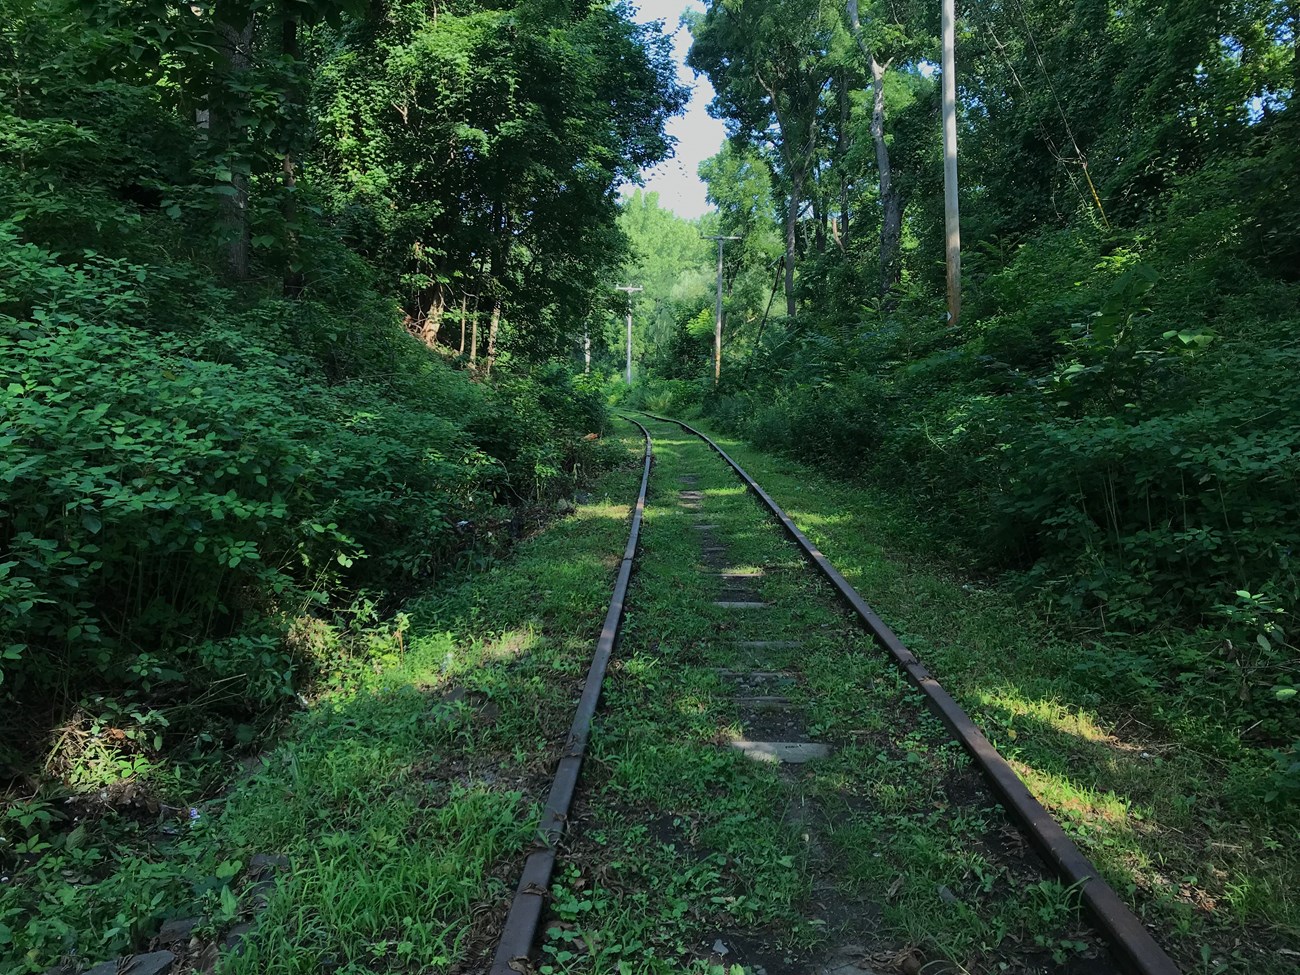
x=951 y=217
x=717 y=320
x=630 y=292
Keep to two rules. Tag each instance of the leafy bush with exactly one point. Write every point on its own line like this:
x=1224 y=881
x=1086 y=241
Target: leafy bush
x=1115 y=428
x=678 y=397
x=175 y=493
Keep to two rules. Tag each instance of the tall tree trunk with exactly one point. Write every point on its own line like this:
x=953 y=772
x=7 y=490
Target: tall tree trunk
x=951 y=208
x=819 y=221
x=891 y=223
x=492 y=334
x=891 y=203
x=500 y=230
x=841 y=152
x=464 y=302
x=791 y=239
x=235 y=43
x=797 y=165
x=433 y=317
x=473 y=337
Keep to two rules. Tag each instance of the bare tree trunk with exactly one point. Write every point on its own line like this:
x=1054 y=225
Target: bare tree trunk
x=433 y=318
x=842 y=151
x=473 y=337
x=492 y=334
x=891 y=203
x=797 y=166
x=464 y=302
x=791 y=239
x=891 y=224
x=235 y=50
x=819 y=221
x=951 y=210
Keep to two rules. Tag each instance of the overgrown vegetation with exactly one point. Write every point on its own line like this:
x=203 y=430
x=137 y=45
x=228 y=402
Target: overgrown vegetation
x=1109 y=428
x=234 y=440
x=402 y=799
x=681 y=842
x=1159 y=789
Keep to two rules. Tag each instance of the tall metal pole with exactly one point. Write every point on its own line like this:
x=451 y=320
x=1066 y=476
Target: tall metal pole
x=630 y=292
x=951 y=216
x=717 y=319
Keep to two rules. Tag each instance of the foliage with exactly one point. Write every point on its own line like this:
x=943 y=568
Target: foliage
x=1111 y=425
x=474 y=151
x=215 y=428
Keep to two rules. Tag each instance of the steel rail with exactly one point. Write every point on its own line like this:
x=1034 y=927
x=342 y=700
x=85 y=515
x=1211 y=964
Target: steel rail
x=520 y=928
x=1134 y=945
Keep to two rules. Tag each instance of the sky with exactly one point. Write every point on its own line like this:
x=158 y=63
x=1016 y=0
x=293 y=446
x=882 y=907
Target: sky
x=698 y=136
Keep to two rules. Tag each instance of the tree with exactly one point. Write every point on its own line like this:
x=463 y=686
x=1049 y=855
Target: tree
x=767 y=61
x=503 y=133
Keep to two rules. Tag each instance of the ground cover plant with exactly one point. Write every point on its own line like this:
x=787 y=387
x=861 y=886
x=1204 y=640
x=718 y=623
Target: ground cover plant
x=234 y=438
x=402 y=798
x=687 y=856
x=1153 y=789
x=1108 y=423
x=1101 y=443
x=307 y=314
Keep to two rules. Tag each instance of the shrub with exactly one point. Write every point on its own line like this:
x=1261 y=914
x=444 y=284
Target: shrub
x=176 y=492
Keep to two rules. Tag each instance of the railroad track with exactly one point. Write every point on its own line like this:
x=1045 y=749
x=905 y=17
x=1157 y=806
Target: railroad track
x=788 y=657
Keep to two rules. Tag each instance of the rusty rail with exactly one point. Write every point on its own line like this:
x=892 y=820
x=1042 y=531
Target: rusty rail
x=525 y=914
x=1133 y=944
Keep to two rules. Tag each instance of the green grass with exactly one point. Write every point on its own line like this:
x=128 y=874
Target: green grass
x=404 y=798
x=1154 y=798
x=680 y=841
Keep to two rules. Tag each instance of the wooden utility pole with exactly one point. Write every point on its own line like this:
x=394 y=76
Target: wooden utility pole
x=951 y=217
x=717 y=319
x=630 y=292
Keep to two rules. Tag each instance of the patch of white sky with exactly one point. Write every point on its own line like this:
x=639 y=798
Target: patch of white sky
x=698 y=136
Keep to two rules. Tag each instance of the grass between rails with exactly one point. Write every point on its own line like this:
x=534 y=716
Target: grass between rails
x=403 y=800
x=1149 y=792
x=889 y=845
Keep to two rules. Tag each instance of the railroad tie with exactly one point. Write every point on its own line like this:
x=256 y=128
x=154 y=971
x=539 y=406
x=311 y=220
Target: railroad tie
x=784 y=752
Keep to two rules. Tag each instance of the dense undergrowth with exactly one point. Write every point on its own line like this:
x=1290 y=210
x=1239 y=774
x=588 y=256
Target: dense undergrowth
x=186 y=491
x=401 y=799
x=181 y=490
x=1109 y=427
x=232 y=444
x=1111 y=432
x=1162 y=795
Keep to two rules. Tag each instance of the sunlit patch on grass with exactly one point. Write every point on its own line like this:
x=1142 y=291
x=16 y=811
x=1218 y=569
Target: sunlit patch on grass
x=1151 y=791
